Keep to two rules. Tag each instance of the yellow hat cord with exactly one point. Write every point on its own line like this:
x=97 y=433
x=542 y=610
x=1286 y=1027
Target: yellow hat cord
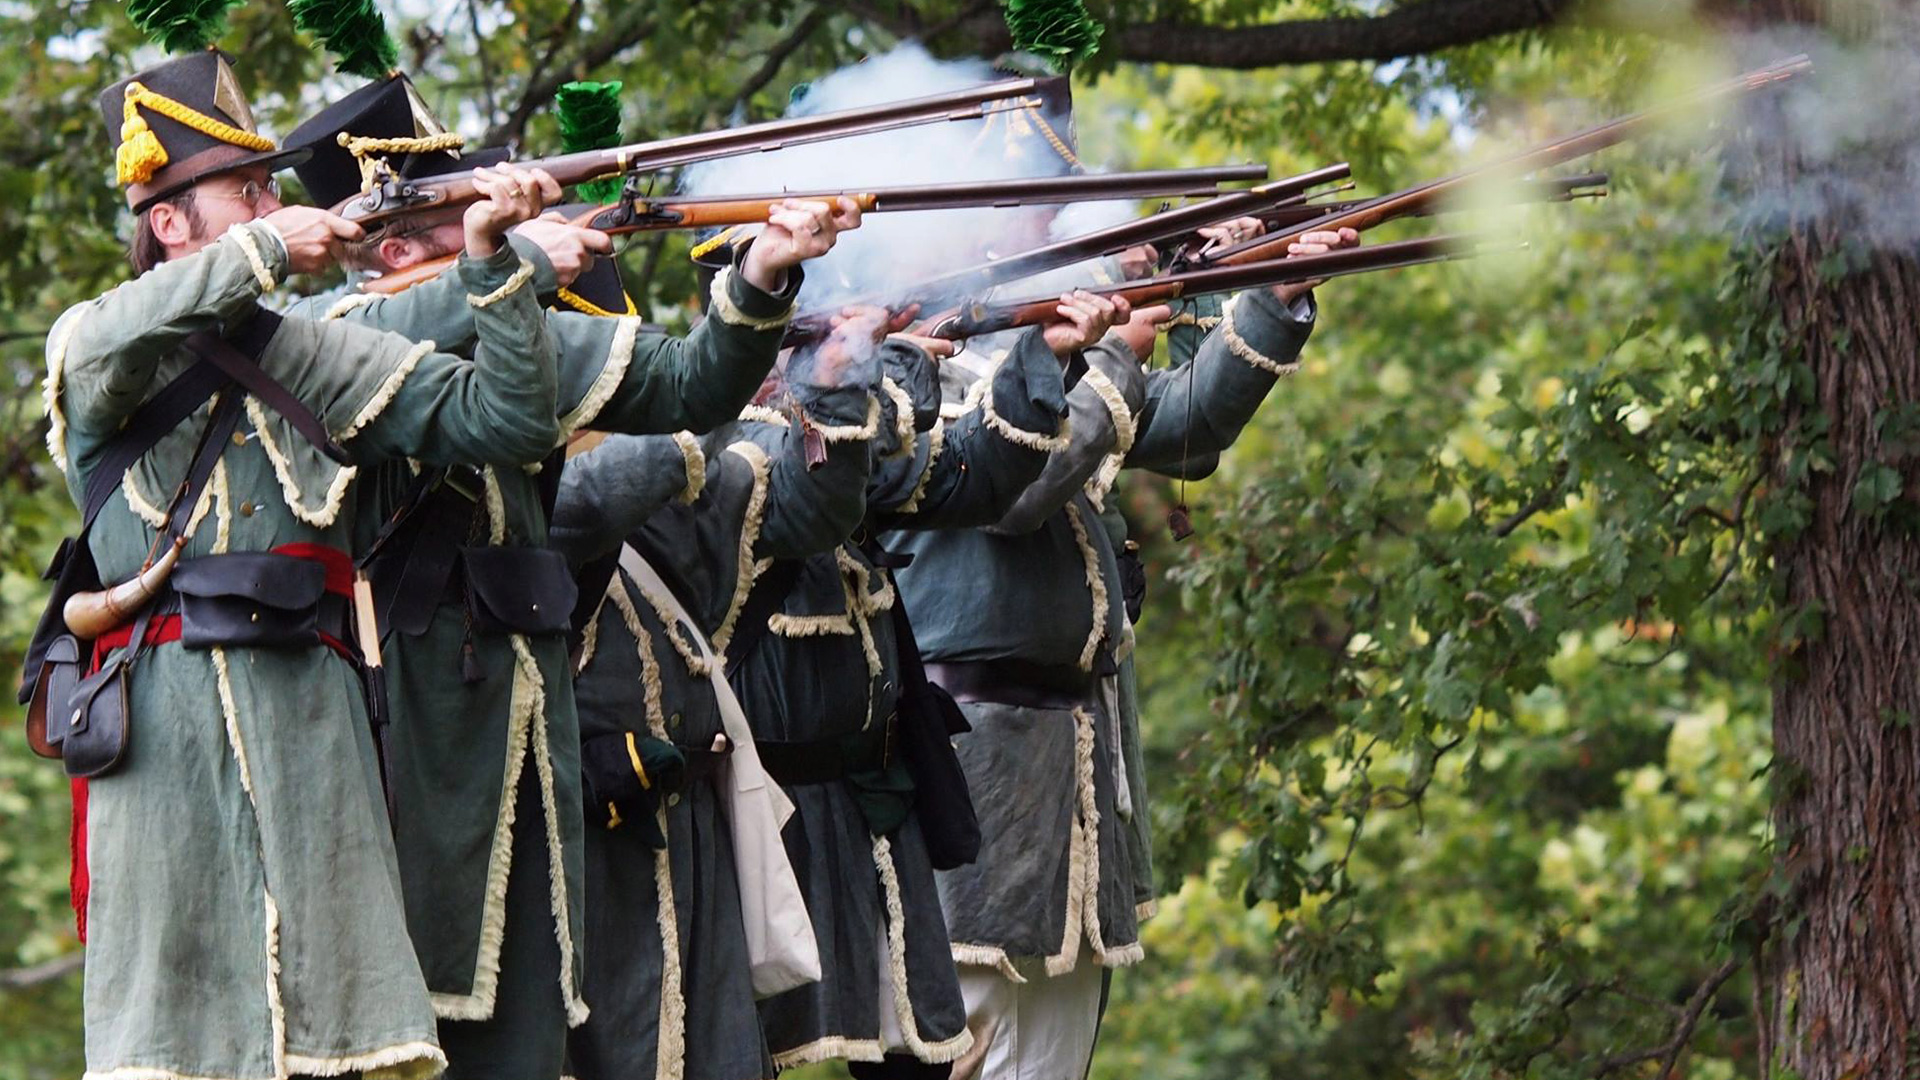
x=365 y=150
x=710 y=244
x=141 y=153
x=581 y=304
x=1059 y=145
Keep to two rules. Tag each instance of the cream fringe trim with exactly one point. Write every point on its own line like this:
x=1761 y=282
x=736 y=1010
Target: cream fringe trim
x=1124 y=428
x=1083 y=848
x=1032 y=440
x=416 y=1053
x=670 y=1044
x=747 y=570
x=223 y=518
x=932 y=1053
x=478 y=1005
x=1146 y=909
x=729 y=312
x=992 y=956
x=864 y=598
x=384 y=1060
x=1096 y=584
x=903 y=429
x=275 y=1008
x=346 y=305
x=834 y=433
x=142 y=509
x=1188 y=318
x=319 y=517
x=1238 y=346
x=1110 y=396
x=388 y=389
x=251 y=250
x=50 y=392
x=761 y=414
x=676 y=636
x=936 y=441
x=831 y=1048
x=831 y=433
x=607 y=383
x=556 y=851
x=590 y=637
x=696 y=461
x=799 y=626
x=520 y=277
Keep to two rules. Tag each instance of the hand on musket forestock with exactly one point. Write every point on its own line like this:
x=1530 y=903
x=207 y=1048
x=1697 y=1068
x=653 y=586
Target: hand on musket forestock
x=1314 y=243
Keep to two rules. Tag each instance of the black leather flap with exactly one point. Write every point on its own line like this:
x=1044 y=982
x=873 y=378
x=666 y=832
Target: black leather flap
x=529 y=590
x=277 y=581
x=64 y=649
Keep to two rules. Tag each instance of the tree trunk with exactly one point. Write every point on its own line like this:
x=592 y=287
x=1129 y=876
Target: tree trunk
x=1846 y=704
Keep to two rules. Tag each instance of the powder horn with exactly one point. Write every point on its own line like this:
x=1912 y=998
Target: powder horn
x=92 y=614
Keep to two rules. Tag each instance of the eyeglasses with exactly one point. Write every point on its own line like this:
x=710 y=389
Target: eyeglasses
x=249 y=193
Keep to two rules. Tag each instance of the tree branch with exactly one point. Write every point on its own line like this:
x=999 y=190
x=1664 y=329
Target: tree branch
x=539 y=91
x=57 y=968
x=1411 y=29
x=778 y=55
x=1668 y=1053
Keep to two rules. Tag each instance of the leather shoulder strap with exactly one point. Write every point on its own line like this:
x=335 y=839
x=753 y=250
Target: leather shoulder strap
x=160 y=414
x=237 y=358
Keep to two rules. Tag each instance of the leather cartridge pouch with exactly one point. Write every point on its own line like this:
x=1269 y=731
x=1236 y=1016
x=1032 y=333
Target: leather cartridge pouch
x=63 y=663
x=96 y=737
x=249 y=600
x=519 y=590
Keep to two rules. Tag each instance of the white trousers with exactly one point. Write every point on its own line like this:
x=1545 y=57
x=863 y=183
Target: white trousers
x=1042 y=1029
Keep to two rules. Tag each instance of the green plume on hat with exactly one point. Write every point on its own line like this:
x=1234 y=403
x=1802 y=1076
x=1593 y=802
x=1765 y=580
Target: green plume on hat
x=181 y=26
x=1059 y=30
x=589 y=115
x=354 y=31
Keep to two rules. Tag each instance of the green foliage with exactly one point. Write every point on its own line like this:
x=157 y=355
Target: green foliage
x=181 y=26
x=1059 y=30
x=354 y=31
x=1456 y=708
x=589 y=116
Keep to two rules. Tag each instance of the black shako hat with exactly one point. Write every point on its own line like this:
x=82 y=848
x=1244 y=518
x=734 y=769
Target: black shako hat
x=599 y=290
x=383 y=124
x=181 y=122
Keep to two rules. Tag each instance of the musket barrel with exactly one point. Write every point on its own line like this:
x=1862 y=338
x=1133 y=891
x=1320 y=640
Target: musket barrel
x=984 y=318
x=1372 y=212
x=454 y=188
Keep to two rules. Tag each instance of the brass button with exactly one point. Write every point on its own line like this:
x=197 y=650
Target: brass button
x=673 y=721
x=673 y=800
x=254 y=617
x=246 y=509
x=239 y=438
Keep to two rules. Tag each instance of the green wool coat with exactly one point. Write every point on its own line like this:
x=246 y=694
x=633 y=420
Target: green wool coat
x=245 y=916
x=459 y=747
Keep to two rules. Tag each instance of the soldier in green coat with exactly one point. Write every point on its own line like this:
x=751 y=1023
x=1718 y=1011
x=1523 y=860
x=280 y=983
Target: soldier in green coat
x=486 y=743
x=245 y=915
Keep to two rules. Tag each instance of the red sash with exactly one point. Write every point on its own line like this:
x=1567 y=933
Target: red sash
x=161 y=630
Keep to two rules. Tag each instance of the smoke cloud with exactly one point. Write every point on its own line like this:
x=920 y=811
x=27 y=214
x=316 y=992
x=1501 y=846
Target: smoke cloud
x=895 y=249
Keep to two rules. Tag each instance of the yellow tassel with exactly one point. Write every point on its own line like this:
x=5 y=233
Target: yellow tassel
x=140 y=154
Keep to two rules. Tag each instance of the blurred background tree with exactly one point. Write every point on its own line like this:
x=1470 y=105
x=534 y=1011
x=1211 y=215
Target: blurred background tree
x=1461 y=705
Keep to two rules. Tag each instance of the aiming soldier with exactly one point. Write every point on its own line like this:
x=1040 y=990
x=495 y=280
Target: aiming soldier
x=486 y=743
x=244 y=909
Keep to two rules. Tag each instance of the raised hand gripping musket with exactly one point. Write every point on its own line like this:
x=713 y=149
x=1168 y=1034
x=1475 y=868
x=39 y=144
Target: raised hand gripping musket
x=394 y=197
x=1422 y=198
x=637 y=213
x=977 y=318
x=812 y=326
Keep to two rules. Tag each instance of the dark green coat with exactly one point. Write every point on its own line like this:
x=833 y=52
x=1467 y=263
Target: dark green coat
x=459 y=747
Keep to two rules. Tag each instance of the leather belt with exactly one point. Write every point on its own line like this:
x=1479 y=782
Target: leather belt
x=1020 y=683
x=822 y=761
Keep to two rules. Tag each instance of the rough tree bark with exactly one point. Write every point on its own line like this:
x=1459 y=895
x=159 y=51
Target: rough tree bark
x=1845 y=708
